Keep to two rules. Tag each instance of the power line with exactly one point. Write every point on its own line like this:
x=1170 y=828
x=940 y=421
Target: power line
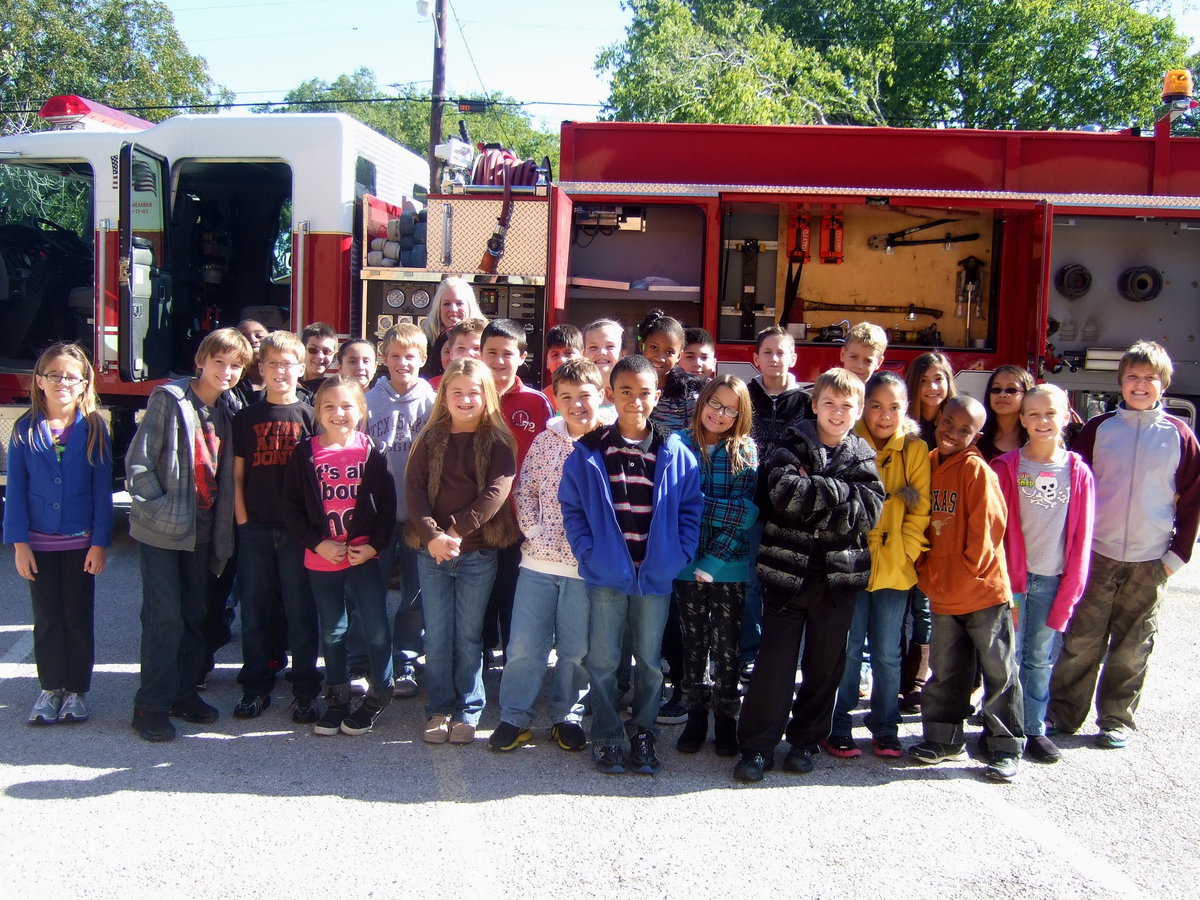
x=323 y=102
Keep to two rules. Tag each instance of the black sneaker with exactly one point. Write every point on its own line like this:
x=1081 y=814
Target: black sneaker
x=642 y=758
x=363 y=718
x=1003 y=767
x=569 y=735
x=330 y=722
x=672 y=712
x=1040 y=748
x=752 y=765
x=155 y=727
x=799 y=761
x=931 y=752
x=193 y=709
x=305 y=711
x=609 y=758
x=251 y=706
x=508 y=736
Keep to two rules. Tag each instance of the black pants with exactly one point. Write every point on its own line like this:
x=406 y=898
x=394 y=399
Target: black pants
x=498 y=618
x=821 y=617
x=64 y=621
x=711 y=616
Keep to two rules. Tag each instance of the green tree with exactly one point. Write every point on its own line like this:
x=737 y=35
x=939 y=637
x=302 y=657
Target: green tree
x=972 y=63
x=722 y=62
x=125 y=53
x=404 y=114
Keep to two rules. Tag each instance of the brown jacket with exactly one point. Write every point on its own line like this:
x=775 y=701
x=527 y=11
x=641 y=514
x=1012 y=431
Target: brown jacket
x=964 y=570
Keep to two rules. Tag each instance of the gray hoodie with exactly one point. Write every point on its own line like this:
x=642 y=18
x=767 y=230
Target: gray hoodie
x=394 y=420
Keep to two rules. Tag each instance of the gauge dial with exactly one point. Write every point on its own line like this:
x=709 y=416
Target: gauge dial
x=420 y=299
x=394 y=298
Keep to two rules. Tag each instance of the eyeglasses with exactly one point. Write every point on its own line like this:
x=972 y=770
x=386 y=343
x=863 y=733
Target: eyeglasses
x=68 y=380
x=279 y=366
x=1008 y=390
x=717 y=406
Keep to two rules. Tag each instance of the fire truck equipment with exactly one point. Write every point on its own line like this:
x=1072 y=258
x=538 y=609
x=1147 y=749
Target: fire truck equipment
x=1140 y=283
x=1073 y=281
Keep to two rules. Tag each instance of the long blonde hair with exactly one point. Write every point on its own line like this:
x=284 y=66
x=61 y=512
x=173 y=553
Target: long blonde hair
x=86 y=403
x=738 y=443
x=492 y=421
x=432 y=323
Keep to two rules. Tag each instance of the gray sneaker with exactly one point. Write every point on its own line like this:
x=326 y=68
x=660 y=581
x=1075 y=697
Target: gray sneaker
x=46 y=708
x=73 y=708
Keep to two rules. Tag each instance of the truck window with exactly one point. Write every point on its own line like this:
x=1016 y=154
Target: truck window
x=46 y=254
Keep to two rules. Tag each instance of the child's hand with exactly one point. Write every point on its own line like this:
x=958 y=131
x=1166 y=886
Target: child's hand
x=331 y=551
x=94 y=562
x=360 y=553
x=26 y=566
x=444 y=548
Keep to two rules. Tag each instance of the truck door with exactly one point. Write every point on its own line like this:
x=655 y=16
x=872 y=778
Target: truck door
x=144 y=332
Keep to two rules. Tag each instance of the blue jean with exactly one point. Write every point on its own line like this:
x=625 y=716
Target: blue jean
x=174 y=588
x=878 y=621
x=408 y=626
x=365 y=583
x=270 y=569
x=646 y=615
x=548 y=610
x=1035 y=647
x=454 y=599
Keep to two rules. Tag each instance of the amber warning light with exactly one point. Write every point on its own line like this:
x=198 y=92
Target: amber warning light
x=68 y=111
x=1177 y=89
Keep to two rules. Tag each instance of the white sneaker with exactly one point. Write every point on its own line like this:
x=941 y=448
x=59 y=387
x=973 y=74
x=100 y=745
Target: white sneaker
x=46 y=708
x=73 y=708
x=437 y=730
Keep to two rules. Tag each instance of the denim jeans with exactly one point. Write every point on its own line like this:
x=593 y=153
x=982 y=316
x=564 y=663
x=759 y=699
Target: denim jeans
x=174 y=588
x=408 y=626
x=878 y=621
x=454 y=599
x=365 y=583
x=646 y=615
x=1035 y=647
x=271 y=570
x=548 y=610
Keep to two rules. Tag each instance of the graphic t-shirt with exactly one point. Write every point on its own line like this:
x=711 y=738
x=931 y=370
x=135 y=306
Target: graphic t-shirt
x=1045 y=494
x=264 y=436
x=205 y=457
x=339 y=476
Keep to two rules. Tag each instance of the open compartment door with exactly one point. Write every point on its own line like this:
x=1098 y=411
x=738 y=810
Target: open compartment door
x=144 y=331
x=1039 y=286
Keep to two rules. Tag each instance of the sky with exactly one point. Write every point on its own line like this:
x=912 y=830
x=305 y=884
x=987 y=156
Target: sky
x=540 y=52
x=531 y=50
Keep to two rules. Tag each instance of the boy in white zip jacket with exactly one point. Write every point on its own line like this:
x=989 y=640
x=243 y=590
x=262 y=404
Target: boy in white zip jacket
x=551 y=605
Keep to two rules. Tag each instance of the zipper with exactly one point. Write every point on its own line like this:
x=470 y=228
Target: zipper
x=1137 y=440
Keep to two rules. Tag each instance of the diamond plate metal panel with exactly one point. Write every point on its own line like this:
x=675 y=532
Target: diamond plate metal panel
x=462 y=226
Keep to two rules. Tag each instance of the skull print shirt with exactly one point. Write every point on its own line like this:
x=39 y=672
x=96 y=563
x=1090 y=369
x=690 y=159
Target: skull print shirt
x=1045 y=493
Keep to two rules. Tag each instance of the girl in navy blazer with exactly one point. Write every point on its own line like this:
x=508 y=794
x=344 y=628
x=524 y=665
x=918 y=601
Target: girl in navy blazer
x=58 y=515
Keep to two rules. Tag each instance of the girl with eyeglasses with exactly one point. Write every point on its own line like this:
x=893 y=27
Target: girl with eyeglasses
x=58 y=515
x=1003 y=431
x=710 y=592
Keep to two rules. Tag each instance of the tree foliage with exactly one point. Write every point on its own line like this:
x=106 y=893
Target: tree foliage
x=125 y=53
x=972 y=63
x=404 y=115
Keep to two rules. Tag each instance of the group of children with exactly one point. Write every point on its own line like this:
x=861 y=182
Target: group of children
x=764 y=519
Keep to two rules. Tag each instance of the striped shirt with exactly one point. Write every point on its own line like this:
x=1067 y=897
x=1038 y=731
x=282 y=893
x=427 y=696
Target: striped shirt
x=630 y=468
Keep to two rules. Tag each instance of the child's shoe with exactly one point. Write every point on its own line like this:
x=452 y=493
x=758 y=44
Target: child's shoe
x=887 y=746
x=673 y=711
x=609 y=758
x=363 y=718
x=752 y=765
x=694 y=732
x=153 y=726
x=193 y=709
x=642 y=758
x=725 y=735
x=569 y=735
x=437 y=730
x=337 y=707
x=1113 y=738
x=462 y=733
x=46 y=708
x=305 y=711
x=508 y=736
x=251 y=706
x=931 y=752
x=1040 y=748
x=1003 y=767
x=73 y=708
x=842 y=746
x=405 y=685
x=799 y=760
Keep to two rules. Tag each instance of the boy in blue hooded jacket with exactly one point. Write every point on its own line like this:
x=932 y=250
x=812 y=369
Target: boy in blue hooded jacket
x=631 y=510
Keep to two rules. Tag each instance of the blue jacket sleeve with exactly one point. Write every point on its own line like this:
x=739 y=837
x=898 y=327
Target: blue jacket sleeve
x=570 y=496
x=691 y=506
x=102 y=488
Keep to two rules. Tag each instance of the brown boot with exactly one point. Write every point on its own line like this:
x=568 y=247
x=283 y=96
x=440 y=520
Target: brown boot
x=914 y=670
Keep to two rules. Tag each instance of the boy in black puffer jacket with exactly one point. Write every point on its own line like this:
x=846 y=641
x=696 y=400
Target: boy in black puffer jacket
x=824 y=495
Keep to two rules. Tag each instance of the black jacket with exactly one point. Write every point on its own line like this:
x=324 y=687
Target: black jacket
x=773 y=419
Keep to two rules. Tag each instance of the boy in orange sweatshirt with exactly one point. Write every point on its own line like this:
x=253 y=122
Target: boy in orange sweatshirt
x=965 y=576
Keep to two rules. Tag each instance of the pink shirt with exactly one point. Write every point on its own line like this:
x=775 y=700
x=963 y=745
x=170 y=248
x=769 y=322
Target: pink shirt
x=339 y=475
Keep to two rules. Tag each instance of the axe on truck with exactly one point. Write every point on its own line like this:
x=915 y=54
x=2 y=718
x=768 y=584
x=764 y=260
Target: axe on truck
x=910 y=310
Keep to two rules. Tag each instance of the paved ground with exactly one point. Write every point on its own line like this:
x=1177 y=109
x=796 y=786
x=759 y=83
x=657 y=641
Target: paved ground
x=266 y=809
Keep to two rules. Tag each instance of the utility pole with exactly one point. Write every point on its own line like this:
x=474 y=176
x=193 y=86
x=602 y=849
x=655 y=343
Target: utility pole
x=438 y=94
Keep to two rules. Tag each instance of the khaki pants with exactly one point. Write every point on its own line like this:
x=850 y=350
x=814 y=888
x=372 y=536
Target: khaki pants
x=1109 y=638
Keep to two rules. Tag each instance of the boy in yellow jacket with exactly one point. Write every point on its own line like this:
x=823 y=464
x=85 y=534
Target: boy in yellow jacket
x=965 y=576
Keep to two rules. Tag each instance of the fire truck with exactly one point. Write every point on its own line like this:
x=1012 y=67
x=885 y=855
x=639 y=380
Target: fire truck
x=137 y=238
x=1051 y=250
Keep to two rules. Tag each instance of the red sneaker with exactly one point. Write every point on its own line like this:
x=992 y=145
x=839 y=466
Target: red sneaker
x=888 y=747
